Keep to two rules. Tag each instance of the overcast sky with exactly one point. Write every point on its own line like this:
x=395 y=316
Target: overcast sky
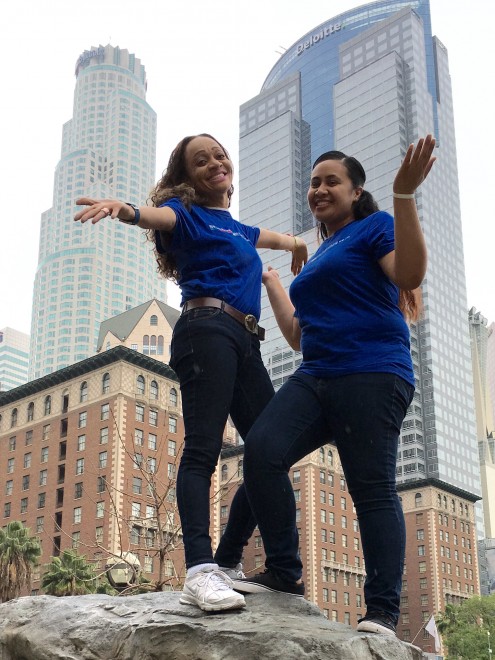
x=203 y=60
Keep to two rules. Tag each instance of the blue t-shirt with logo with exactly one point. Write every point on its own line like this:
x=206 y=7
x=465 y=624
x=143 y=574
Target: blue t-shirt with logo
x=216 y=256
x=348 y=308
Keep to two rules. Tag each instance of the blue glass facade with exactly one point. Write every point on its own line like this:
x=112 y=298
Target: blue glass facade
x=316 y=57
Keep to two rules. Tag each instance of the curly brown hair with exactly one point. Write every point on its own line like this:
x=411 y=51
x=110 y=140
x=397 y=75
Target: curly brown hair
x=175 y=183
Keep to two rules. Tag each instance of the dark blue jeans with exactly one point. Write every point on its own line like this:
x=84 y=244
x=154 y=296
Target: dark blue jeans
x=221 y=372
x=362 y=414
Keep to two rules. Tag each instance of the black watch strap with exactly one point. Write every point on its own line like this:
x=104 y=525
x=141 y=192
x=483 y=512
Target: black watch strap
x=137 y=215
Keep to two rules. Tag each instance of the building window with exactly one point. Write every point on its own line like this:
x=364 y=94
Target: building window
x=78 y=490
x=83 y=393
x=172 y=424
x=40 y=524
x=151 y=465
x=138 y=437
x=12 y=443
x=154 y=319
x=137 y=485
x=140 y=385
x=41 y=500
x=173 y=397
x=46 y=431
x=81 y=443
x=139 y=413
x=7 y=507
x=29 y=438
x=10 y=465
x=172 y=448
x=154 y=389
x=80 y=466
x=296 y=476
x=102 y=459
x=105 y=384
x=171 y=470
x=101 y=484
x=75 y=539
x=224 y=472
x=83 y=419
x=30 y=412
x=43 y=477
x=153 y=419
x=24 y=505
x=100 y=509
x=152 y=441
x=9 y=487
x=105 y=411
x=77 y=517
x=27 y=460
x=44 y=455
x=104 y=435
x=48 y=405
x=136 y=510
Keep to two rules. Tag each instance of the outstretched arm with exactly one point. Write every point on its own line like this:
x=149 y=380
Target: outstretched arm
x=282 y=308
x=406 y=264
x=151 y=217
x=294 y=244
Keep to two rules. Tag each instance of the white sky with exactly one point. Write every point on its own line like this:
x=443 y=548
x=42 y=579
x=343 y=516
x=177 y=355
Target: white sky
x=203 y=59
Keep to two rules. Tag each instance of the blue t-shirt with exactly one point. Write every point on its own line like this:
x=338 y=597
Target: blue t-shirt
x=216 y=256
x=348 y=308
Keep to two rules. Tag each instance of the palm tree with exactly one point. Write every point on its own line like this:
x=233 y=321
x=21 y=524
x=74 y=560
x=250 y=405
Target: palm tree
x=19 y=552
x=68 y=575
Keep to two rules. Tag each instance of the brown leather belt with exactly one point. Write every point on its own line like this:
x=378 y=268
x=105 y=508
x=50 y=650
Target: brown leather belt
x=247 y=320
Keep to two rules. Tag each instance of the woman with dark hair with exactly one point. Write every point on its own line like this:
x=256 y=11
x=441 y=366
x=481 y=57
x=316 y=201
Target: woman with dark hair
x=347 y=316
x=215 y=347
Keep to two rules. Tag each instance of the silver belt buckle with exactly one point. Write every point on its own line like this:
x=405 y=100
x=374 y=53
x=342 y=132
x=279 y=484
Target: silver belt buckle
x=250 y=323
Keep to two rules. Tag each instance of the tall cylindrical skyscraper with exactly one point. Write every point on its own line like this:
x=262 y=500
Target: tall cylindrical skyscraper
x=87 y=273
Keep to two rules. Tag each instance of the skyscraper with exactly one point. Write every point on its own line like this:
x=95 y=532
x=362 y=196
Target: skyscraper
x=369 y=82
x=87 y=273
x=14 y=357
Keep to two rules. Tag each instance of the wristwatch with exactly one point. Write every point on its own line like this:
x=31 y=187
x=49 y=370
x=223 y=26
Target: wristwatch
x=137 y=215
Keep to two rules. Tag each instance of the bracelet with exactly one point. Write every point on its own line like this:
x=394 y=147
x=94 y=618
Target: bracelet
x=295 y=243
x=403 y=195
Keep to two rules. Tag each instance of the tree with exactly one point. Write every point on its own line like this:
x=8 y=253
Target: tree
x=69 y=575
x=465 y=627
x=19 y=553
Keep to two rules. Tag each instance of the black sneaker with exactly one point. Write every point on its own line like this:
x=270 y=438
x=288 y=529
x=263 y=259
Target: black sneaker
x=377 y=622
x=268 y=581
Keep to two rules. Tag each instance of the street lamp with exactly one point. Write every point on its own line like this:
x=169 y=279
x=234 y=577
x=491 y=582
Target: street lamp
x=122 y=572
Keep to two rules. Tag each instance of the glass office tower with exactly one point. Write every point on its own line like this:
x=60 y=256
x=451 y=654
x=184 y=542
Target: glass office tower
x=88 y=273
x=369 y=82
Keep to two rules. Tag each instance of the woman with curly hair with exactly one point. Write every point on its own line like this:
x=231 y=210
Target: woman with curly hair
x=215 y=347
x=347 y=315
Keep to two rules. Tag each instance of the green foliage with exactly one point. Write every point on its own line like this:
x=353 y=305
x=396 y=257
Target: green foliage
x=465 y=627
x=68 y=575
x=19 y=552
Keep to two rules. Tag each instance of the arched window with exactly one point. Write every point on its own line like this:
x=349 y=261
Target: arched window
x=452 y=505
x=48 y=405
x=140 y=384
x=146 y=344
x=30 y=412
x=13 y=418
x=154 y=319
x=160 y=345
x=153 y=345
x=105 y=383
x=322 y=454
x=225 y=472
x=83 y=394
x=439 y=500
x=173 y=397
x=330 y=457
x=240 y=468
x=154 y=389
x=418 y=500
x=444 y=501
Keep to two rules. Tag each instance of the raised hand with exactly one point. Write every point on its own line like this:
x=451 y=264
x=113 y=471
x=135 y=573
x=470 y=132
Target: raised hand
x=416 y=166
x=97 y=209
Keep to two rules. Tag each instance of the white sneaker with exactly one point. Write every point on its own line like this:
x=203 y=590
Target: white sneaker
x=211 y=590
x=234 y=573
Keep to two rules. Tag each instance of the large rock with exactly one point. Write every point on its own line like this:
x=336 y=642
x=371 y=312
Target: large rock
x=158 y=627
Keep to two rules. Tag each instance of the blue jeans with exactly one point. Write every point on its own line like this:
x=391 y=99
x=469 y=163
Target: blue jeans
x=362 y=414
x=221 y=372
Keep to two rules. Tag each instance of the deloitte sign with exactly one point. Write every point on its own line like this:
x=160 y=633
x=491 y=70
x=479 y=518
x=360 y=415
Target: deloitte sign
x=319 y=36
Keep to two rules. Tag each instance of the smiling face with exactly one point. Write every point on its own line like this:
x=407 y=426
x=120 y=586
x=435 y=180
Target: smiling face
x=209 y=171
x=331 y=195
